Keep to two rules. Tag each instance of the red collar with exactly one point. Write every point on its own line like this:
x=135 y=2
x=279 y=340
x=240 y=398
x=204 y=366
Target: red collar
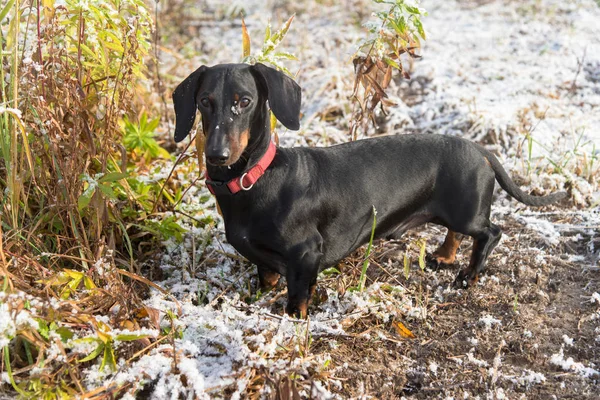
x=248 y=178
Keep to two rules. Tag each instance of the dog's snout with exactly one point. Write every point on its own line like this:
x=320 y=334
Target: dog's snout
x=218 y=156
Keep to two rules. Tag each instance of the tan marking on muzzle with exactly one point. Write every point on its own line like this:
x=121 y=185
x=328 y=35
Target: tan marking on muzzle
x=238 y=145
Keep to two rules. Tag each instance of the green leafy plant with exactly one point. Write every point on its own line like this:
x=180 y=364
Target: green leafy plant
x=396 y=30
x=105 y=345
x=139 y=139
x=101 y=183
x=268 y=54
x=165 y=228
x=68 y=71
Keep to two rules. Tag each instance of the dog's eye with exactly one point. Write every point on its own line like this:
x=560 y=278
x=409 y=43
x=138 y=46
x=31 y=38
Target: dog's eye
x=244 y=102
x=205 y=102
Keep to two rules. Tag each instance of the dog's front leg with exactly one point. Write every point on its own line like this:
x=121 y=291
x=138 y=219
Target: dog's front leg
x=267 y=277
x=302 y=271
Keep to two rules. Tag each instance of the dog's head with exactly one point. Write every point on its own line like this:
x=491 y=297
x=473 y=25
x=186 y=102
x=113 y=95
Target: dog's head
x=231 y=97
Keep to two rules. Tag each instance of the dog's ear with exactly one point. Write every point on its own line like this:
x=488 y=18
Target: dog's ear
x=285 y=96
x=184 y=100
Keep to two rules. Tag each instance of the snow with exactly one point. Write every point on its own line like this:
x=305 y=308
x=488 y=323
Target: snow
x=529 y=378
x=14 y=111
x=571 y=365
x=488 y=321
x=473 y=360
x=568 y=341
x=14 y=317
x=545 y=228
x=494 y=85
x=433 y=367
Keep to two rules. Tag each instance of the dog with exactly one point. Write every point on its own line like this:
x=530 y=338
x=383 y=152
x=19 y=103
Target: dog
x=296 y=211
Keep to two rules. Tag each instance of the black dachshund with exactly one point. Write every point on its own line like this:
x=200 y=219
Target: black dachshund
x=295 y=211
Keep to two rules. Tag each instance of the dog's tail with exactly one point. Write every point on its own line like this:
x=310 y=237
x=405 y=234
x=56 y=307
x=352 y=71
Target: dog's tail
x=511 y=188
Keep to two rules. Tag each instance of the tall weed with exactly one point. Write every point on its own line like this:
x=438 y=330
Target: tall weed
x=73 y=67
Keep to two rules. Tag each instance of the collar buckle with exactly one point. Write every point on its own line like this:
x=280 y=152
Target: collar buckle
x=242 y=182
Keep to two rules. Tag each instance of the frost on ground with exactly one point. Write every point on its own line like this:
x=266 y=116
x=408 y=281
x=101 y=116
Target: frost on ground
x=521 y=78
x=518 y=77
x=569 y=364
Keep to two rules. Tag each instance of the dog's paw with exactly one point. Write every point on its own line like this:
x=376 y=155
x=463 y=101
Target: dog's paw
x=435 y=263
x=299 y=310
x=465 y=279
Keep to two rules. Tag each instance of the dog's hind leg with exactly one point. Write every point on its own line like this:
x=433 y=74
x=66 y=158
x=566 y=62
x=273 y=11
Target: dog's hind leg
x=446 y=253
x=483 y=244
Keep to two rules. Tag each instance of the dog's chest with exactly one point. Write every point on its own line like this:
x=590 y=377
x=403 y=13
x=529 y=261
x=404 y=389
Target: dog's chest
x=258 y=241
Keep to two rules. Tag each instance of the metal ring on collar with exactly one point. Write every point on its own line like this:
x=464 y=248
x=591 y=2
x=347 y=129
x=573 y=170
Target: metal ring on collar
x=242 y=182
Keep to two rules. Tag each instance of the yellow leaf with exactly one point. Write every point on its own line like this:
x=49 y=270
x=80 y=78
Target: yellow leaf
x=406 y=264
x=402 y=330
x=73 y=274
x=273 y=121
x=88 y=283
x=129 y=325
x=48 y=9
x=423 y=244
x=104 y=337
x=200 y=150
x=245 y=40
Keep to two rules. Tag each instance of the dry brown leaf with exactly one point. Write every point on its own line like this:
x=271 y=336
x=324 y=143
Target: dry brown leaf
x=152 y=313
x=387 y=77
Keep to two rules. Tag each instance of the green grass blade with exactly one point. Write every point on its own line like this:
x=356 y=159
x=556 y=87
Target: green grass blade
x=363 y=274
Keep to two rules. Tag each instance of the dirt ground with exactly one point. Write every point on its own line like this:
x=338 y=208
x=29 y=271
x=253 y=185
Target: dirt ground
x=536 y=301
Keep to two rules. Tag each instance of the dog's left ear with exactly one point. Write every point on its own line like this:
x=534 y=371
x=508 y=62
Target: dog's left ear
x=184 y=100
x=285 y=96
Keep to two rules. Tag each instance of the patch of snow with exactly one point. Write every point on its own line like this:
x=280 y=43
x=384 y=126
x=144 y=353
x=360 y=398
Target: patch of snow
x=14 y=111
x=14 y=317
x=500 y=395
x=473 y=360
x=545 y=228
x=433 y=367
x=529 y=378
x=568 y=341
x=571 y=365
x=488 y=321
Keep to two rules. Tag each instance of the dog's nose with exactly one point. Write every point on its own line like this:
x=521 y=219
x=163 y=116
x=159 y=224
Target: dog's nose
x=218 y=157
